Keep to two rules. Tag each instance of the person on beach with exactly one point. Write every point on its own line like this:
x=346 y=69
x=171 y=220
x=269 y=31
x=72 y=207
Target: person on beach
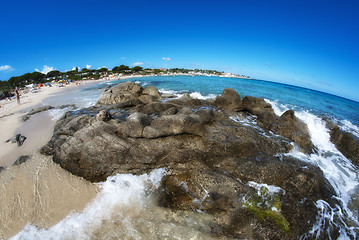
x=17 y=95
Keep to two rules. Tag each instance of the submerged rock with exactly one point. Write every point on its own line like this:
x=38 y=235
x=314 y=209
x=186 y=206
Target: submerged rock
x=213 y=162
x=21 y=160
x=37 y=110
x=18 y=138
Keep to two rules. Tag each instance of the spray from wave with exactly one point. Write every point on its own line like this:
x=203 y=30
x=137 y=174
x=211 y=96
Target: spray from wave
x=122 y=191
x=125 y=209
x=338 y=170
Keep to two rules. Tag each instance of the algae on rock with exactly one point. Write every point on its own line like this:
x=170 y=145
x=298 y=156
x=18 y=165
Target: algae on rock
x=266 y=203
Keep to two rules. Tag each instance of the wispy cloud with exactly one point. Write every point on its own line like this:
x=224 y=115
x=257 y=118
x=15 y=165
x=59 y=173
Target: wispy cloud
x=122 y=58
x=166 y=58
x=88 y=66
x=137 y=64
x=45 y=69
x=6 y=68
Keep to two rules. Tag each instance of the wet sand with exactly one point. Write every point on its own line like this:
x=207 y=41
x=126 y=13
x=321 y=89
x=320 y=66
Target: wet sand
x=40 y=193
x=37 y=192
x=10 y=112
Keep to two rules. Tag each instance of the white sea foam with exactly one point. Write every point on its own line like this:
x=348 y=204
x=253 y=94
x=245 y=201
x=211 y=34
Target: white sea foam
x=324 y=223
x=57 y=113
x=347 y=126
x=271 y=188
x=180 y=94
x=200 y=96
x=122 y=191
x=338 y=170
x=168 y=91
x=250 y=121
x=279 y=109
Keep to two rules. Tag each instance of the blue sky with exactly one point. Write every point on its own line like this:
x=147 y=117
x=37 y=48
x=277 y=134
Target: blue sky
x=312 y=44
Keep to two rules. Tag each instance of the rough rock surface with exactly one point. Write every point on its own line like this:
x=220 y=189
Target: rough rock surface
x=130 y=93
x=229 y=100
x=212 y=161
x=288 y=125
x=345 y=142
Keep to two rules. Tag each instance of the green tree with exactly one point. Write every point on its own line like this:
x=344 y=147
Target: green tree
x=103 y=69
x=75 y=77
x=54 y=73
x=116 y=69
x=121 y=69
x=137 y=69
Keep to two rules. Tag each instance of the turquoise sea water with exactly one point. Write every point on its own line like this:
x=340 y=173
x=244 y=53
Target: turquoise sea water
x=319 y=103
x=309 y=105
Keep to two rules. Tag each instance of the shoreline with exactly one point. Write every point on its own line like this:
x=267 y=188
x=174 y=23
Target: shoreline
x=10 y=112
x=38 y=129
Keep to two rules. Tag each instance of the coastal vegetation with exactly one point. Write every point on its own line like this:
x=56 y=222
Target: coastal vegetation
x=6 y=87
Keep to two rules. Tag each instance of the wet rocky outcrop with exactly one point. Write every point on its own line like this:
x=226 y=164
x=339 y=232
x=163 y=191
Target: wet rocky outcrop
x=215 y=164
x=128 y=93
x=346 y=143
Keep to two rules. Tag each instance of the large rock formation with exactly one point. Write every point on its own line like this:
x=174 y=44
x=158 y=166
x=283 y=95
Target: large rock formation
x=130 y=93
x=215 y=164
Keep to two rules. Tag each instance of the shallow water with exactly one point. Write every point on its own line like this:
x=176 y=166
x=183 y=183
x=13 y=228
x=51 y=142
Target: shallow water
x=40 y=193
x=124 y=209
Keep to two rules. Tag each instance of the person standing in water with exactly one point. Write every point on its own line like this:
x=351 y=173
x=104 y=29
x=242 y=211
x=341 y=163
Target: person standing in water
x=17 y=95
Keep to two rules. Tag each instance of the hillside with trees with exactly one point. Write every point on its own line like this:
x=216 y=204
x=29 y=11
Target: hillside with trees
x=84 y=74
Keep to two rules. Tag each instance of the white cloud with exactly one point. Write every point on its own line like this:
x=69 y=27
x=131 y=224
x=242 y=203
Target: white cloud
x=122 y=57
x=45 y=69
x=88 y=66
x=137 y=64
x=166 y=58
x=6 y=68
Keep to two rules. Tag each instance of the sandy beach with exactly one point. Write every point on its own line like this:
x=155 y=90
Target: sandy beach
x=38 y=191
x=38 y=129
x=10 y=124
